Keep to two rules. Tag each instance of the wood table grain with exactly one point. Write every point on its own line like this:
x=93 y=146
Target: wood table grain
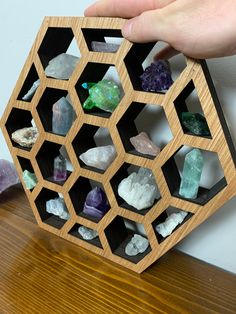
x=41 y=273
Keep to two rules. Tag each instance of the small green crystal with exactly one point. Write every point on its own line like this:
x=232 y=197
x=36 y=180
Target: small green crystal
x=104 y=95
x=193 y=165
x=195 y=123
x=30 y=179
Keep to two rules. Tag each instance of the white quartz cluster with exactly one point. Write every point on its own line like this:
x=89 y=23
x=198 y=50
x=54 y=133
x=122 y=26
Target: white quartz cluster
x=139 y=189
x=172 y=221
x=58 y=208
x=87 y=233
x=99 y=157
x=137 y=244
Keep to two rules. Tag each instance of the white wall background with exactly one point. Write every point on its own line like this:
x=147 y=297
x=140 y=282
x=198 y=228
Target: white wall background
x=214 y=240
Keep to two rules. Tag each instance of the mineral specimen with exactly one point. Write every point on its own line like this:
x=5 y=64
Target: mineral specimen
x=137 y=244
x=104 y=95
x=62 y=116
x=144 y=145
x=62 y=66
x=59 y=170
x=101 y=46
x=99 y=157
x=193 y=165
x=25 y=137
x=157 y=77
x=96 y=204
x=58 y=208
x=165 y=228
x=29 y=179
x=196 y=123
x=28 y=96
x=139 y=189
x=8 y=175
x=87 y=233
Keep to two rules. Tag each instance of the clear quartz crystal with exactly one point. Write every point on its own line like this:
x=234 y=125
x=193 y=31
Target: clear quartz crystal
x=60 y=171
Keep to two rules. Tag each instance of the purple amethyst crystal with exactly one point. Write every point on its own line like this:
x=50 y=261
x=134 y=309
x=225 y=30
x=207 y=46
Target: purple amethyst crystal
x=8 y=175
x=96 y=204
x=157 y=77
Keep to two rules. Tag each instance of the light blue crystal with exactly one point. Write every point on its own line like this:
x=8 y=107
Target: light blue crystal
x=193 y=165
x=62 y=116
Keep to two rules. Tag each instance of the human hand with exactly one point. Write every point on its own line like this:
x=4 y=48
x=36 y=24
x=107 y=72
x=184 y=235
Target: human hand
x=197 y=28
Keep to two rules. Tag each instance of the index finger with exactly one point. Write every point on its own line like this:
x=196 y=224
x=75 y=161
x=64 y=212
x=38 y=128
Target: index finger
x=124 y=8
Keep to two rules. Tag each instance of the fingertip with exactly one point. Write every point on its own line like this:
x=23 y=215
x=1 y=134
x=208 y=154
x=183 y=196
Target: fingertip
x=91 y=10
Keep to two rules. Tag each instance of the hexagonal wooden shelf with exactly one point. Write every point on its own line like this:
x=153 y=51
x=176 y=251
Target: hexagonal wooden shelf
x=54 y=37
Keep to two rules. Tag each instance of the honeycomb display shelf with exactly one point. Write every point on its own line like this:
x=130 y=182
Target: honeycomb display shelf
x=54 y=37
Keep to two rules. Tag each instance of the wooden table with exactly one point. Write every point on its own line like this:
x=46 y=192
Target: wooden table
x=41 y=273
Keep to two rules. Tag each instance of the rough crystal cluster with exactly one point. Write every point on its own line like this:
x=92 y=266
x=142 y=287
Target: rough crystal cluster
x=99 y=157
x=195 y=123
x=29 y=95
x=157 y=77
x=144 y=145
x=62 y=66
x=62 y=116
x=104 y=95
x=25 y=137
x=172 y=221
x=29 y=179
x=139 y=189
x=87 y=233
x=137 y=244
x=57 y=207
x=101 y=46
x=8 y=175
x=59 y=168
x=96 y=204
x=190 y=181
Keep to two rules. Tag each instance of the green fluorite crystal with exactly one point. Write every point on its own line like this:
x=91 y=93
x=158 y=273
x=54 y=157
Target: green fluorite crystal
x=195 y=123
x=30 y=179
x=104 y=95
x=193 y=165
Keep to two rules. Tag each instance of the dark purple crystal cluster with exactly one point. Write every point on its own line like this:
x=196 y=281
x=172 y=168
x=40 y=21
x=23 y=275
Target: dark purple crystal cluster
x=157 y=77
x=96 y=204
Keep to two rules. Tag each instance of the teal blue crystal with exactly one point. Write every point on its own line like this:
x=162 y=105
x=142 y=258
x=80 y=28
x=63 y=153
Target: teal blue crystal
x=195 y=123
x=29 y=179
x=193 y=165
x=104 y=95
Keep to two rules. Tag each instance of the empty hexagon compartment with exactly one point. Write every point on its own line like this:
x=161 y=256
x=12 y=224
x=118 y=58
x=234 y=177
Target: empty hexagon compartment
x=162 y=218
x=212 y=178
x=147 y=118
x=45 y=159
x=57 y=40
x=78 y=194
x=125 y=170
x=25 y=165
x=18 y=119
x=112 y=36
x=119 y=233
x=93 y=73
x=31 y=78
x=141 y=56
x=48 y=218
x=45 y=107
x=74 y=232
x=188 y=101
x=90 y=136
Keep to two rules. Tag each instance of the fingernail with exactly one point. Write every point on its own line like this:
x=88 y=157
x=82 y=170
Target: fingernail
x=127 y=29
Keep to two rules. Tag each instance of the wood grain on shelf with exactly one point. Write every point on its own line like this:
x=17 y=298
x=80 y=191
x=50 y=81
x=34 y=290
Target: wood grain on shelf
x=41 y=273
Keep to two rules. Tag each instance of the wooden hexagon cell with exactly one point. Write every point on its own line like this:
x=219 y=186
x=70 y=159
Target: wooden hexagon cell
x=120 y=221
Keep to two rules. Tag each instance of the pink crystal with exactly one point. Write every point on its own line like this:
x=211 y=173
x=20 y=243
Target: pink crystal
x=144 y=145
x=8 y=175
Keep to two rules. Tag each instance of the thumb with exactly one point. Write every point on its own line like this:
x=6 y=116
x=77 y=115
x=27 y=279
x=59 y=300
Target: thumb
x=147 y=27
